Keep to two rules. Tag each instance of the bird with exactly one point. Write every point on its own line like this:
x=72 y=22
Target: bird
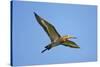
x=55 y=37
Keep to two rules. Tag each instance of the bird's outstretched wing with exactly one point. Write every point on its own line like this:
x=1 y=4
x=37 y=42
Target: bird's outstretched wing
x=49 y=28
x=70 y=44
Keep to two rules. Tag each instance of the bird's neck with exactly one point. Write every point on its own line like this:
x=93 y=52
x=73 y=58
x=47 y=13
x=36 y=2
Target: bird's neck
x=63 y=39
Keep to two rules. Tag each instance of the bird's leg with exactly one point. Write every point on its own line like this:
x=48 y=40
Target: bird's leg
x=44 y=50
x=48 y=47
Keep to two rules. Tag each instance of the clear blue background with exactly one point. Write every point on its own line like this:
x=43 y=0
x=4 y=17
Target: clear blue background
x=29 y=38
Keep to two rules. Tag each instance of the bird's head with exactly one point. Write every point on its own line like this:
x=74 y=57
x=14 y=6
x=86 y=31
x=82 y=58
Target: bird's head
x=69 y=37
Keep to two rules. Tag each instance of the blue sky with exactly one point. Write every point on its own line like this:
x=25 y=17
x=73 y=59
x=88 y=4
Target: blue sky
x=29 y=39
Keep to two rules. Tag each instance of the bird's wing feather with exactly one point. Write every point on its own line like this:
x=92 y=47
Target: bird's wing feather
x=70 y=44
x=49 y=28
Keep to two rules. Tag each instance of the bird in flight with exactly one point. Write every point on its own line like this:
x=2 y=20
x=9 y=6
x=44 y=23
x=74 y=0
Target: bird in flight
x=55 y=37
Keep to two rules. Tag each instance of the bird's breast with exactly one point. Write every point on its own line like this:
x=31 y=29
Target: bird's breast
x=61 y=40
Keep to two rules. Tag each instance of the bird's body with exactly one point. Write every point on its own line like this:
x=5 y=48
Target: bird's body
x=54 y=36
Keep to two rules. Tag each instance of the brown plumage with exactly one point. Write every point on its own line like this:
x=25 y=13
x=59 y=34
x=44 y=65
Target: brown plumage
x=54 y=36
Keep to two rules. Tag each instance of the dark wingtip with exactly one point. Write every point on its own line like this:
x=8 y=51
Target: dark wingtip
x=35 y=14
x=77 y=47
